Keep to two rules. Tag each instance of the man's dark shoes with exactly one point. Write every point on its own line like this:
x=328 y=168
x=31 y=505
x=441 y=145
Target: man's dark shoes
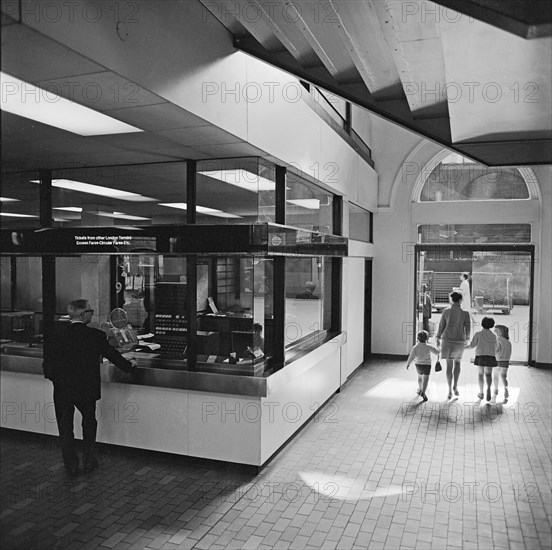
x=90 y=465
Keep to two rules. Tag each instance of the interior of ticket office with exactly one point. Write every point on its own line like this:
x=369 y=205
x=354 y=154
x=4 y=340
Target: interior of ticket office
x=181 y=285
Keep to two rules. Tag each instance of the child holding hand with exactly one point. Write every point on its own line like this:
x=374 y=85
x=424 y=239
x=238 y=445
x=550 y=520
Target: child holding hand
x=484 y=342
x=503 y=354
x=421 y=355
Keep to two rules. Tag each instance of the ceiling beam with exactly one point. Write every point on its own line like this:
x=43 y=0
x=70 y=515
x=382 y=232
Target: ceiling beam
x=418 y=55
x=526 y=18
x=490 y=153
x=359 y=30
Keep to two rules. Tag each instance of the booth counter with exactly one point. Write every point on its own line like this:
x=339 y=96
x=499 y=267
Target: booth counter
x=233 y=418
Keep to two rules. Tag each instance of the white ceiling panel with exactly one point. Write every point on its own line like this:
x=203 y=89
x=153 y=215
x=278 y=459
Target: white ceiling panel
x=199 y=135
x=32 y=57
x=162 y=116
x=101 y=91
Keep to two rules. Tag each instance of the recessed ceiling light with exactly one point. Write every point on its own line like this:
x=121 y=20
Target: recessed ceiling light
x=241 y=178
x=200 y=209
x=68 y=208
x=179 y=205
x=98 y=190
x=29 y=101
x=222 y=215
x=121 y=215
x=6 y=199
x=206 y=209
x=17 y=215
x=311 y=204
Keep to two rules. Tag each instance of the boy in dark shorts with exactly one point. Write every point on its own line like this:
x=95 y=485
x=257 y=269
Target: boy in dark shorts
x=421 y=355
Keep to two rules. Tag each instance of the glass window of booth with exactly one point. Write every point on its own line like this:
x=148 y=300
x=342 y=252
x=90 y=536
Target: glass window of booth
x=233 y=302
x=205 y=312
x=21 y=298
x=238 y=190
x=20 y=200
x=308 y=301
x=235 y=314
x=103 y=196
x=360 y=224
x=308 y=206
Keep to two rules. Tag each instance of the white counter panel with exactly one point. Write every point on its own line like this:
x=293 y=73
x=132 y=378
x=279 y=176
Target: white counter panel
x=24 y=406
x=225 y=427
x=288 y=407
x=144 y=417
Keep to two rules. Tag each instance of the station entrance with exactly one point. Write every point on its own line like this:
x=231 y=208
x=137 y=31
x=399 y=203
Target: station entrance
x=500 y=281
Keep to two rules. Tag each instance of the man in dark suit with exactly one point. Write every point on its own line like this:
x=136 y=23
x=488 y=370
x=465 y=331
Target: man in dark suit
x=72 y=357
x=308 y=293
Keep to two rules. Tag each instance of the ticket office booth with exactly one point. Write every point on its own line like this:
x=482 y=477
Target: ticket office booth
x=221 y=329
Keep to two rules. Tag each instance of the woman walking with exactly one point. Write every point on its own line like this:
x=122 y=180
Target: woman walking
x=454 y=330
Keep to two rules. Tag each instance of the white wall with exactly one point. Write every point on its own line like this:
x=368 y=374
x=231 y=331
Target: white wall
x=353 y=314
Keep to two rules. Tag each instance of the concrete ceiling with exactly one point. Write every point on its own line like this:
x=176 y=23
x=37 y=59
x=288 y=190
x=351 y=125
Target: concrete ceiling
x=477 y=80
x=170 y=132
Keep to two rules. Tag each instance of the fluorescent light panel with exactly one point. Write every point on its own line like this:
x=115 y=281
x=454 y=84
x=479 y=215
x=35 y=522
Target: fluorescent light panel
x=122 y=216
x=179 y=205
x=241 y=178
x=222 y=214
x=29 y=101
x=201 y=209
x=311 y=204
x=98 y=190
x=17 y=215
x=68 y=208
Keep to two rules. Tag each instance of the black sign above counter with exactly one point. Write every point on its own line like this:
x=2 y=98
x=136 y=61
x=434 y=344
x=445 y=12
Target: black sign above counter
x=259 y=238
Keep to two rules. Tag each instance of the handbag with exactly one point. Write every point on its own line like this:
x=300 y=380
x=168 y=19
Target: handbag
x=438 y=366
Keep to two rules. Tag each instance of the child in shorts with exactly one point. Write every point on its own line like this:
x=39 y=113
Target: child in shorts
x=484 y=343
x=503 y=354
x=421 y=355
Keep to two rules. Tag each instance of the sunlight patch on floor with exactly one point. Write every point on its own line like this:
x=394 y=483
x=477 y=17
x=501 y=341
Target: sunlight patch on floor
x=437 y=390
x=345 y=488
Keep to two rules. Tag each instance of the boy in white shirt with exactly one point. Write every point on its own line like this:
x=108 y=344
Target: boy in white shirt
x=421 y=355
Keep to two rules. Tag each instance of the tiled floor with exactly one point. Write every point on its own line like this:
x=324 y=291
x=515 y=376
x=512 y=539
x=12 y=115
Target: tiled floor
x=373 y=470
